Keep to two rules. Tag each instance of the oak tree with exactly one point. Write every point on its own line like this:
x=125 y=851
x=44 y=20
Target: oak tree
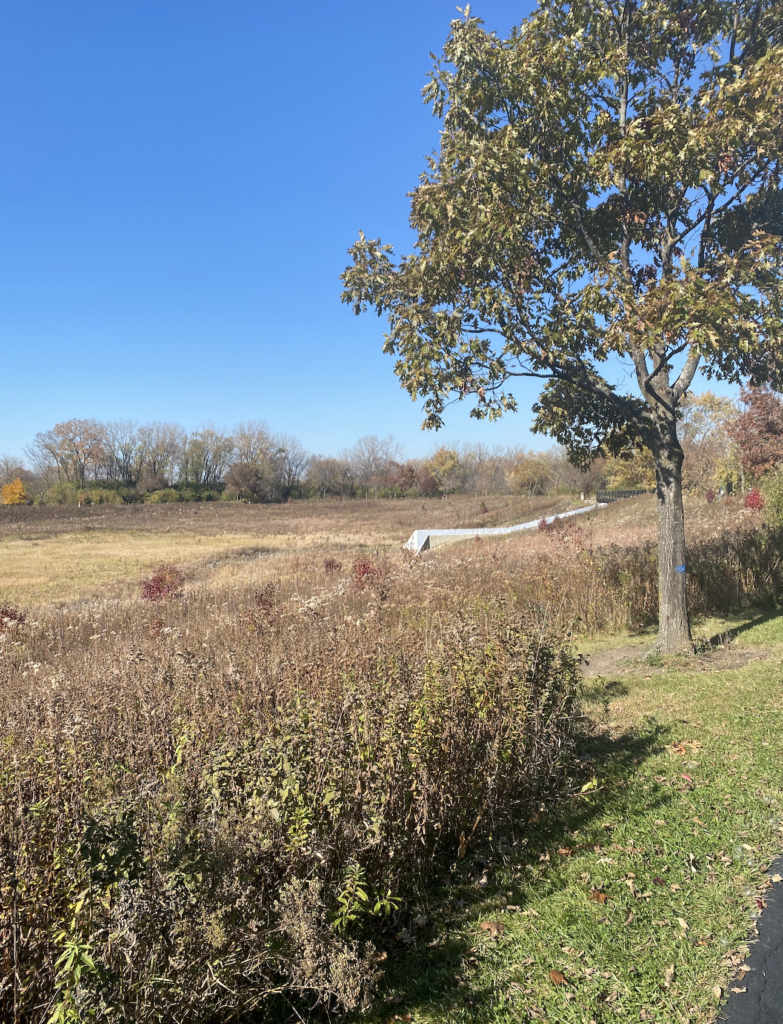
x=605 y=207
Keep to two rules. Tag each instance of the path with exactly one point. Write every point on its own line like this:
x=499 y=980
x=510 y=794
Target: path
x=758 y=997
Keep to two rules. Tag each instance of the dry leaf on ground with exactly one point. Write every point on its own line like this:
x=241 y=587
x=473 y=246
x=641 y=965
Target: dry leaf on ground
x=494 y=928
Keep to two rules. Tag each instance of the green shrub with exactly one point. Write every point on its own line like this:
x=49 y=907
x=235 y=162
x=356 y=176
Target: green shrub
x=165 y=495
x=773 y=501
x=101 y=496
x=61 y=494
x=190 y=863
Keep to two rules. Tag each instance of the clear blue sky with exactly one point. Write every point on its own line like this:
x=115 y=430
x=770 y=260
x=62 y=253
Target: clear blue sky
x=180 y=183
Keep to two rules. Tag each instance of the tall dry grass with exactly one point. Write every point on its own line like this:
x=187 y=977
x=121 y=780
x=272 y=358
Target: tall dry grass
x=216 y=799
x=210 y=801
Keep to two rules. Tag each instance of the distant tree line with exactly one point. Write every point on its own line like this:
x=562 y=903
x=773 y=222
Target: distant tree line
x=727 y=445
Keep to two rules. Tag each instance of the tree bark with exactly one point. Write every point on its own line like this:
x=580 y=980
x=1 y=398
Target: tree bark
x=674 y=632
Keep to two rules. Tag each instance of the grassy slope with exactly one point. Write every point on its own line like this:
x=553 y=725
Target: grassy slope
x=666 y=851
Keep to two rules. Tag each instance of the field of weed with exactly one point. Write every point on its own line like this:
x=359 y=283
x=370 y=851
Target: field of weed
x=336 y=777
x=62 y=553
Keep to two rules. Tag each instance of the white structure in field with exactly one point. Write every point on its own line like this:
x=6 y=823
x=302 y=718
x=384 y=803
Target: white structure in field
x=423 y=540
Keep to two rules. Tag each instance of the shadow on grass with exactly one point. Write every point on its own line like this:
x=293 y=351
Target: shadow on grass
x=759 y=619
x=435 y=967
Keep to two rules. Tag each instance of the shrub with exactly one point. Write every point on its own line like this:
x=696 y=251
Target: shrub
x=773 y=507
x=221 y=835
x=10 y=615
x=165 y=582
x=710 y=495
x=101 y=496
x=163 y=496
x=367 y=573
x=332 y=565
x=13 y=493
x=754 y=499
x=61 y=494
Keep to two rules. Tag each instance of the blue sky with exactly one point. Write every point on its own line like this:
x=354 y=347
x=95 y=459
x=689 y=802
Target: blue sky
x=181 y=181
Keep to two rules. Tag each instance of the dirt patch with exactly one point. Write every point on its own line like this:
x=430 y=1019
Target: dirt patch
x=632 y=659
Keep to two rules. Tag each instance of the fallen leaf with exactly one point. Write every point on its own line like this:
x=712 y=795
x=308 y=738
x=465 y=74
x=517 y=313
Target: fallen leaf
x=738 y=990
x=420 y=920
x=659 y=881
x=668 y=976
x=564 y=851
x=597 y=897
x=717 y=992
x=393 y=999
x=776 y=878
x=687 y=778
x=612 y=997
x=683 y=924
x=557 y=977
x=494 y=928
x=628 y=919
x=659 y=821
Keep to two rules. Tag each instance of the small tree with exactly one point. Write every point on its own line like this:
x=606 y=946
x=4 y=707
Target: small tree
x=606 y=205
x=757 y=431
x=13 y=493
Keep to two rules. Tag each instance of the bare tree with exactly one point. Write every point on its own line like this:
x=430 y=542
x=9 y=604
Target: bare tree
x=76 y=447
x=124 y=451
x=254 y=443
x=370 y=459
x=206 y=456
x=293 y=460
x=330 y=476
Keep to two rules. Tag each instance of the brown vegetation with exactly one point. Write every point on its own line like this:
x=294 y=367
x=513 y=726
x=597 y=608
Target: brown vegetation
x=215 y=798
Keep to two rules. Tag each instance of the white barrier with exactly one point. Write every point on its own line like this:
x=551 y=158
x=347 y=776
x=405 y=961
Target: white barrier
x=420 y=540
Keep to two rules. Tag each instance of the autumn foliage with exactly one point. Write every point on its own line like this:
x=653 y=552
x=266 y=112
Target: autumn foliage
x=165 y=582
x=758 y=430
x=13 y=493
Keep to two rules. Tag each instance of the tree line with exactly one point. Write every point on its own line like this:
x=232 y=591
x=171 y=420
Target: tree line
x=727 y=445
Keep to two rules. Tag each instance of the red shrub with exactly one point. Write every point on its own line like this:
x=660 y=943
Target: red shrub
x=366 y=573
x=754 y=499
x=710 y=496
x=164 y=582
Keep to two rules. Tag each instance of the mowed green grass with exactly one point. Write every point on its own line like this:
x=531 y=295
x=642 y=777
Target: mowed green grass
x=640 y=890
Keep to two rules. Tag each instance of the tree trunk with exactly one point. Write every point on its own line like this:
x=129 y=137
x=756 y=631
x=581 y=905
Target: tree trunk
x=674 y=632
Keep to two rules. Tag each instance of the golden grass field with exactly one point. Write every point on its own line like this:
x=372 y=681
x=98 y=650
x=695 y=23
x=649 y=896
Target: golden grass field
x=63 y=554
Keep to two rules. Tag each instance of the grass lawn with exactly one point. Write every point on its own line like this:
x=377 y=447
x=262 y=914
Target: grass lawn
x=634 y=899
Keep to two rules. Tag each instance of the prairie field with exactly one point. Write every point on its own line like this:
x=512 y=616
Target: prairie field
x=312 y=773
x=62 y=553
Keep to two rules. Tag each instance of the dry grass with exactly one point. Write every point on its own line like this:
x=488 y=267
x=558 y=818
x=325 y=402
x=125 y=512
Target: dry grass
x=281 y=724
x=61 y=553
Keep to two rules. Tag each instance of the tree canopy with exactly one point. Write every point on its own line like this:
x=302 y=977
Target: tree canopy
x=605 y=204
